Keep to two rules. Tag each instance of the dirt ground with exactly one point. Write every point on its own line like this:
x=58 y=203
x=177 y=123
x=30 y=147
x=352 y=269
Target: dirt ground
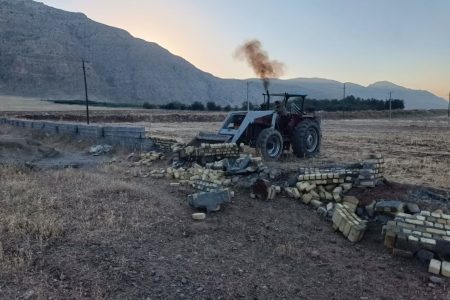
x=99 y=232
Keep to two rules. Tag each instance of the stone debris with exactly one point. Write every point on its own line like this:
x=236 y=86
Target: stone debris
x=100 y=149
x=430 y=231
x=389 y=206
x=198 y=216
x=209 y=201
x=147 y=158
x=348 y=223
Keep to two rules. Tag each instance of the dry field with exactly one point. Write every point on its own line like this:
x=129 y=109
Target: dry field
x=98 y=232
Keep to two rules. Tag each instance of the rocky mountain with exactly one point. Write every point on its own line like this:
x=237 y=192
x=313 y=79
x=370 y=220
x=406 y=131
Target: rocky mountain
x=41 y=49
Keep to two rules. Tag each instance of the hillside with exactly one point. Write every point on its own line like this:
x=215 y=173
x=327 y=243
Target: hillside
x=41 y=50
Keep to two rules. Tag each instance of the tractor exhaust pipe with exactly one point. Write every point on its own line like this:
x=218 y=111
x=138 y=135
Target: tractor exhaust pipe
x=268 y=99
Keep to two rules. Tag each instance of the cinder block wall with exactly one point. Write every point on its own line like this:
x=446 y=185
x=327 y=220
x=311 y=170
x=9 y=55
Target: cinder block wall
x=128 y=137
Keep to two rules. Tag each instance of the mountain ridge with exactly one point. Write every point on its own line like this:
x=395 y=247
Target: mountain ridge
x=41 y=56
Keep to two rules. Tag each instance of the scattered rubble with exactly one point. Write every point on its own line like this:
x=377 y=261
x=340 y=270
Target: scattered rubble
x=212 y=169
x=100 y=149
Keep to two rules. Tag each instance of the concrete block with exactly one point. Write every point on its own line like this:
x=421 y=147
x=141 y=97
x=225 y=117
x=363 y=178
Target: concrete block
x=435 y=266
x=198 y=216
x=306 y=198
x=445 y=268
x=90 y=131
x=389 y=239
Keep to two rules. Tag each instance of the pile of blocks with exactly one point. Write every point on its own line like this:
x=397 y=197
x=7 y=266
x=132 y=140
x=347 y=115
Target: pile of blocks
x=146 y=159
x=319 y=189
x=212 y=151
x=165 y=144
x=347 y=222
x=326 y=176
x=411 y=233
x=371 y=172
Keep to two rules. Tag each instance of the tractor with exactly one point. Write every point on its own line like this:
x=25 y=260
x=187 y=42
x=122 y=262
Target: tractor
x=276 y=127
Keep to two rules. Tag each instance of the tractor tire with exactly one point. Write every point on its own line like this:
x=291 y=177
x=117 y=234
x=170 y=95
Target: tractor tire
x=270 y=144
x=306 y=139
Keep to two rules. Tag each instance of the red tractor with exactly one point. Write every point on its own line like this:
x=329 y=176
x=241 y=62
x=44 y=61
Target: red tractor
x=273 y=129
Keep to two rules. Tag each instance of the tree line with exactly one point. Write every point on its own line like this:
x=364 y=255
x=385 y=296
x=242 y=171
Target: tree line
x=350 y=103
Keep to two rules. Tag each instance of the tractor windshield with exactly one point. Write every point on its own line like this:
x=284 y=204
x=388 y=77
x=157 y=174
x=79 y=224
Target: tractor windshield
x=295 y=105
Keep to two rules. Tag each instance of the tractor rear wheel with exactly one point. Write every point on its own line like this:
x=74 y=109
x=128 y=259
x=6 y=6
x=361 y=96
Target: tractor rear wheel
x=306 y=139
x=270 y=144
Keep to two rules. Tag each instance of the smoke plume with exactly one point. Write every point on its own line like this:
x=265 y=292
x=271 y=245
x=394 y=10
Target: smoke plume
x=259 y=60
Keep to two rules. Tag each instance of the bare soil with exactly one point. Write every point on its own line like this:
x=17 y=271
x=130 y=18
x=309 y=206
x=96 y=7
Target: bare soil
x=99 y=232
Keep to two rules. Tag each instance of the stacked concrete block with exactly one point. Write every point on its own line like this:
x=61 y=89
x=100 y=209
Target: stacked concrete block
x=371 y=172
x=220 y=150
x=348 y=223
x=51 y=127
x=198 y=177
x=90 y=131
x=69 y=129
x=163 y=143
x=426 y=230
x=114 y=132
x=438 y=267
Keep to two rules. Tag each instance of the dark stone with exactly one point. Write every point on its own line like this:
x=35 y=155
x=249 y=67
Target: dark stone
x=402 y=241
x=370 y=209
x=436 y=280
x=392 y=206
x=442 y=247
x=260 y=188
x=412 y=208
x=424 y=256
x=210 y=201
x=360 y=211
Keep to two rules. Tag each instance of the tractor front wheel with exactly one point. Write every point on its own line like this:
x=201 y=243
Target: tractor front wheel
x=306 y=139
x=270 y=144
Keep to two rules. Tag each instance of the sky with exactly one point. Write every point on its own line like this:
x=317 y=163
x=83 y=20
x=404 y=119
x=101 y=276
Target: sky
x=406 y=42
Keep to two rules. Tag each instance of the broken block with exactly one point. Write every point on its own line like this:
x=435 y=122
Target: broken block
x=306 y=198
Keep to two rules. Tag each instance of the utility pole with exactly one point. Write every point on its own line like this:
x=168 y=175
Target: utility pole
x=448 y=110
x=390 y=105
x=86 y=91
x=248 y=104
x=343 y=98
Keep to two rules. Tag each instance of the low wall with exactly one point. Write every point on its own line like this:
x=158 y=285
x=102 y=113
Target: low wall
x=128 y=137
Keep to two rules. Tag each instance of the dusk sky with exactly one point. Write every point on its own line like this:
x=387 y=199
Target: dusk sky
x=403 y=41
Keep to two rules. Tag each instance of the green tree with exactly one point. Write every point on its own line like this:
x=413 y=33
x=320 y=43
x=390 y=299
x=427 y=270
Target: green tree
x=212 y=106
x=197 y=106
